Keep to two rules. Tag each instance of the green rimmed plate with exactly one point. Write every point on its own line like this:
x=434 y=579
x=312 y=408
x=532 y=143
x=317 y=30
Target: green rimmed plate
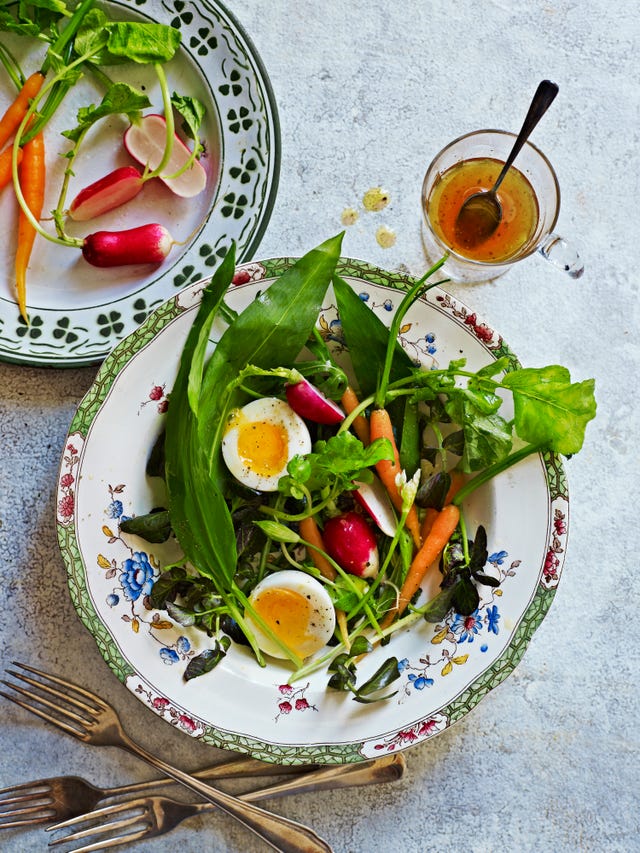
x=446 y=668
x=79 y=312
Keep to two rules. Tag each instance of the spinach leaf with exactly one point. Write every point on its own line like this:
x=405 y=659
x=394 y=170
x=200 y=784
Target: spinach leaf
x=549 y=409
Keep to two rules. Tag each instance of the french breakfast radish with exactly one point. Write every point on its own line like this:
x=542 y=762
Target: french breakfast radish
x=146 y=244
x=146 y=143
x=352 y=544
x=373 y=497
x=309 y=402
x=107 y=193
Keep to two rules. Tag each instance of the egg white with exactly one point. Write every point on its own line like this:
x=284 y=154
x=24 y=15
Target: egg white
x=320 y=625
x=260 y=415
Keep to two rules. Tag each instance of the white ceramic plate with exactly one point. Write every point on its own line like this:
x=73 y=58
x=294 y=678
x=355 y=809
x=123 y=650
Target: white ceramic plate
x=446 y=668
x=79 y=312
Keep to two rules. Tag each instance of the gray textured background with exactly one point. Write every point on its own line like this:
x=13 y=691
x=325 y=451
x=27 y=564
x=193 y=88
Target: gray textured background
x=367 y=93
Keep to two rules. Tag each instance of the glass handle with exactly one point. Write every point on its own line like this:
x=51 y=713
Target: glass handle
x=562 y=255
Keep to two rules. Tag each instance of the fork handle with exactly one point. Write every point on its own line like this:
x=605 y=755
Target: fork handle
x=282 y=834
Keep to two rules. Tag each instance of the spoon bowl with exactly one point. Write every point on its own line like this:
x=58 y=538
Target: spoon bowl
x=481 y=213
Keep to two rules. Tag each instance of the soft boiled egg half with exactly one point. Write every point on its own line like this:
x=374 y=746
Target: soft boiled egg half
x=297 y=608
x=259 y=441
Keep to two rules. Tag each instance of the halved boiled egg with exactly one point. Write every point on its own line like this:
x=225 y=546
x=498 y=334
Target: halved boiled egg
x=260 y=440
x=297 y=608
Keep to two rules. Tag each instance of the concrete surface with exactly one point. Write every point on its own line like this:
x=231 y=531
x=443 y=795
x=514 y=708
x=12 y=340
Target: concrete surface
x=367 y=93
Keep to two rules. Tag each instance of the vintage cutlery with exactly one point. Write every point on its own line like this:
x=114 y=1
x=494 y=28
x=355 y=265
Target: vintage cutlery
x=148 y=817
x=86 y=716
x=62 y=797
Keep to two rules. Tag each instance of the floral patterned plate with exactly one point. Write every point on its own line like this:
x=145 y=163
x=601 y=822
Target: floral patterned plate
x=79 y=312
x=446 y=668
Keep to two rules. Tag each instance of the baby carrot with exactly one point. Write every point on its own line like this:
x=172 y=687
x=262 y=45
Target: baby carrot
x=32 y=180
x=380 y=427
x=310 y=532
x=17 y=109
x=360 y=424
x=441 y=531
x=5 y=166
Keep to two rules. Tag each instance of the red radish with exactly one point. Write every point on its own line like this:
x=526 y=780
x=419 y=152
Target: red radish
x=105 y=194
x=374 y=498
x=310 y=403
x=146 y=140
x=351 y=543
x=146 y=244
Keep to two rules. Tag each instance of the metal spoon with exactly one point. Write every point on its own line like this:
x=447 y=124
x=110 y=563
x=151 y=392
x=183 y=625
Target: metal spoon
x=481 y=213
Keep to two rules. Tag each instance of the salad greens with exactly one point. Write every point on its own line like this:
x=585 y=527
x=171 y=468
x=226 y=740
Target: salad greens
x=232 y=537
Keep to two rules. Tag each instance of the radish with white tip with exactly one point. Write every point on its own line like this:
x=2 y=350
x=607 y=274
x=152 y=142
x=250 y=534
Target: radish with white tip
x=146 y=244
x=146 y=142
x=310 y=403
x=107 y=193
x=352 y=544
x=374 y=498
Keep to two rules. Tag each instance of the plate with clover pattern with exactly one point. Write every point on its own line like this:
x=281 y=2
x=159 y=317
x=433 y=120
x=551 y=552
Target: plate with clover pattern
x=445 y=668
x=78 y=312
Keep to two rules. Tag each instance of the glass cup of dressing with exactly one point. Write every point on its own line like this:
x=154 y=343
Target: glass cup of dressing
x=530 y=199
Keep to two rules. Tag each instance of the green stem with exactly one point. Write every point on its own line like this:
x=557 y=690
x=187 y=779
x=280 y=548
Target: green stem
x=412 y=294
x=67 y=34
x=170 y=124
x=496 y=468
x=12 y=67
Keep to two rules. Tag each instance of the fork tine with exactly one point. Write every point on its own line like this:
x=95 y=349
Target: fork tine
x=26 y=791
x=111 y=826
x=28 y=816
x=46 y=681
x=129 y=838
x=77 y=731
x=68 y=685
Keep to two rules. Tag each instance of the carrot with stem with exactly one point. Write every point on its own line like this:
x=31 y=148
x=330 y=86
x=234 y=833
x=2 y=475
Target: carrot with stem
x=17 y=110
x=32 y=183
x=380 y=426
x=443 y=527
x=350 y=403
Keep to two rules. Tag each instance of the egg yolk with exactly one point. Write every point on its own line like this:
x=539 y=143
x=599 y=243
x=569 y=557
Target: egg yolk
x=263 y=446
x=290 y=616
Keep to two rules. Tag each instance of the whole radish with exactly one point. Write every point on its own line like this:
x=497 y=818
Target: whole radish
x=352 y=544
x=146 y=244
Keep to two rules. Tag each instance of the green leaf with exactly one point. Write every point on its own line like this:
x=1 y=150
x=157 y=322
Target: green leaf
x=207 y=660
x=487 y=437
x=155 y=526
x=121 y=98
x=386 y=674
x=143 y=42
x=191 y=111
x=367 y=336
x=549 y=409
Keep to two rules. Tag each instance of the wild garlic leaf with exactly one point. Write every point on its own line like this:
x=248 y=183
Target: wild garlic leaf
x=550 y=410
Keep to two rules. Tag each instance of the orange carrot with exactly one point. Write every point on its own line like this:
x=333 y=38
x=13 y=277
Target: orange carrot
x=380 y=427
x=430 y=516
x=360 y=424
x=310 y=532
x=457 y=482
x=32 y=180
x=5 y=166
x=17 y=110
x=441 y=531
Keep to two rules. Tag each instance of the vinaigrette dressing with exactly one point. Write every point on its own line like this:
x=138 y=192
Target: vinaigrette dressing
x=518 y=200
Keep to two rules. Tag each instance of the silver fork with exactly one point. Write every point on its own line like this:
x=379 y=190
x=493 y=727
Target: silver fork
x=148 y=817
x=62 y=797
x=87 y=717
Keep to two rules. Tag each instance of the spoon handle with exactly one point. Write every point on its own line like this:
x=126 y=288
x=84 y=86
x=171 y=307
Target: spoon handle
x=542 y=100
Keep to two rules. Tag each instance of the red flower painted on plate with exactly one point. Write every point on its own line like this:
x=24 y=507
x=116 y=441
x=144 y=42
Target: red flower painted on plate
x=66 y=506
x=187 y=723
x=285 y=707
x=160 y=703
x=66 y=480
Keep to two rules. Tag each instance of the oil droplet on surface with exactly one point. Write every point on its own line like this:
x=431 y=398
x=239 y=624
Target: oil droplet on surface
x=385 y=237
x=375 y=199
x=349 y=216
